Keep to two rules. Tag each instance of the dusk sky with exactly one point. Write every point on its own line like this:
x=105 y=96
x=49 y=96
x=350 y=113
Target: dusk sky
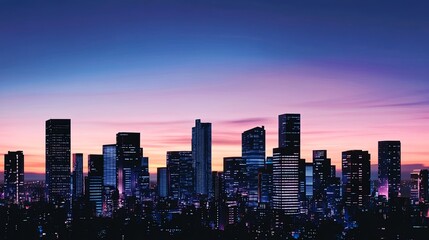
x=357 y=71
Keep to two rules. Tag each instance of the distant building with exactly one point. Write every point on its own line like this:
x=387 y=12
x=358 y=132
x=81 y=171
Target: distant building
x=286 y=181
x=234 y=174
x=321 y=174
x=128 y=155
x=389 y=168
x=58 y=160
x=424 y=185
x=14 y=177
x=95 y=182
x=265 y=183
x=162 y=182
x=144 y=179
x=309 y=180
x=356 y=177
x=253 y=153
x=415 y=186
x=180 y=174
x=77 y=176
x=202 y=155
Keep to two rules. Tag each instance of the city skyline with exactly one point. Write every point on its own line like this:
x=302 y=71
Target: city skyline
x=357 y=74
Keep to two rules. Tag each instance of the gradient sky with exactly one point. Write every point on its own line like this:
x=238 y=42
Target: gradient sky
x=357 y=71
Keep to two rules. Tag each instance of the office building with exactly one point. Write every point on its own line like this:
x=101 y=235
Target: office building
x=286 y=181
x=14 y=177
x=202 y=155
x=389 y=168
x=162 y=181
x=290 y=132
x=58 y=160
x=128 y=160
x=253 y=153
x=77 y=176
x=356 y=177
x=234 y=173
x=95 y=182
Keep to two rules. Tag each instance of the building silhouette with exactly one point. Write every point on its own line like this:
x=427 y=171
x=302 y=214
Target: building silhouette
x=95 y=182
x=321 y=176
x=58 y=160
x=14 y=177
x=128 y=160
x=202 y=155
x=356 y=177
x=180 y=174
x=77 y=176
x=290 y=132
x=162 y=181
x=234 y=174
x=253 y=153
x=389 y=168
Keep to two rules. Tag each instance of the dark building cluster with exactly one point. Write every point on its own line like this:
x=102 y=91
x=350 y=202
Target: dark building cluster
x=256 y=196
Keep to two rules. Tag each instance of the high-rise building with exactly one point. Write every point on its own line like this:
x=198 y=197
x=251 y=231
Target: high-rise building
x=144 y=178
x=424 y=185
x=290 y=132
x=14 y=177
x=265 y=183
x=287 y=170
x=180 y=174
x=202 y=155
x=162 y=182
x=286 y=181
x=302 y=194
x=77 y=176
x=109 y=168
x=356 y=177
x=95 y=182
x=321 y=175
x=309 y=180
x=234 y=174
x=253 y=153
x=415 y=186
x=58 y=160
x=128 y=155
x=389 y=168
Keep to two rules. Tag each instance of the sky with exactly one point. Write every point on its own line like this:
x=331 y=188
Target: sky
x=356 y=71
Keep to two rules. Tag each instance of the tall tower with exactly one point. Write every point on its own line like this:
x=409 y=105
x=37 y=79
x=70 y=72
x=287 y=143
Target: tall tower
x=234 y=174
x=95 y=182
x=202 y=155
x=58 y=160
x=356 y=177
x=14 y=177
x=290 y=132
x=253 y=153
x=128 y=160
x=77 y=176
x=389 y=168
x=180 y=174
x=287 y=169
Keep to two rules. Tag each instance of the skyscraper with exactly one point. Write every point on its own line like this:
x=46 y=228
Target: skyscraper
x=144 y=178
x=253 y=153
x=180 y=174
x=356 y=177
x=58 y=160
x=14 y=176
x=415 y=186
x=389 y=168
x=265 y=182
x=234 y=174
x=109 y=168
x=287 y=170
x=161 y=183
x=424 y=185
x=321 y=176
x=286 y=181
x=77 y=176
x=309 y=180
x=95 y=182
x=202 y=155
x=128 y=155
x=290 y=132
